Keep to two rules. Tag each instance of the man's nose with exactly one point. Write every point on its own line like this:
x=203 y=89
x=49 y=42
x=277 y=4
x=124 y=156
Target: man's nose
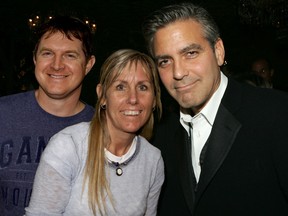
x=179 y=71
x=57 y=63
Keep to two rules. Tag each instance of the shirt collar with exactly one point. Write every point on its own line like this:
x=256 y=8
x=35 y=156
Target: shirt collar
x=128 y=154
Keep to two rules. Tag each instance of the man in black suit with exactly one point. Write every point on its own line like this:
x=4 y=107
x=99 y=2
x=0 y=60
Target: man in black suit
x=226 y=153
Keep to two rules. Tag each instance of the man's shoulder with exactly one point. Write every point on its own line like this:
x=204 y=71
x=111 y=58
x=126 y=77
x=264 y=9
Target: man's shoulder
x=16 y=102
x=89 y=108
x=247 y=101
x=251 y=95
x=86 y=114
x=14 y=98
x=266 y=97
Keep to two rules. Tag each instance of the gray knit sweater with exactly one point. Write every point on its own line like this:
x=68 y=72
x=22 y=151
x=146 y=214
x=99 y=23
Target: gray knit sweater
x=58 y=183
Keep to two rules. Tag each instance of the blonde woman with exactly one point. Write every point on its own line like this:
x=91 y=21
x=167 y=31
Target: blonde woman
x=107 y=166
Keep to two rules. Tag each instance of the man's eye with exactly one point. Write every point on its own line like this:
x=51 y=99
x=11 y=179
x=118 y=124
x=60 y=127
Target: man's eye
x=46 y=53
x=192 y=54
x=71 y=55
x=162 y=63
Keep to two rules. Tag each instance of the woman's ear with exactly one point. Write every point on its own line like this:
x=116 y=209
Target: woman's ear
x=99 y=90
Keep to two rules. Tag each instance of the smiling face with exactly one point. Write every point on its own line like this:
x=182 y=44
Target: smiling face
x=60 y=66
x=187 y=65
x=129 y=100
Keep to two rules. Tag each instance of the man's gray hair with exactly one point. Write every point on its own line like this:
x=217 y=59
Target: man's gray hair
x=178 y=12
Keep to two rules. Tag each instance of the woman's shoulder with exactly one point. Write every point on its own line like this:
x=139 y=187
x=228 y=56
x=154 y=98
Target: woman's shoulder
x=72 y=136
x=149 y=149
x=76 y=129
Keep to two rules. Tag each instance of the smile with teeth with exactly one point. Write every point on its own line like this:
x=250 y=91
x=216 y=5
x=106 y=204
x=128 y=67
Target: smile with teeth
x=131 y=112
x=58 y=76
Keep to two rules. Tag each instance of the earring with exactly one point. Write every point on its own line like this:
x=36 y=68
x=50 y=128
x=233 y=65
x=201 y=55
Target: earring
x=103 y=106
x=153 y=109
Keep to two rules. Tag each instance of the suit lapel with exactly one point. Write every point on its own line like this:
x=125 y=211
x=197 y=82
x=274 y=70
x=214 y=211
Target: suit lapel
x=222 y=136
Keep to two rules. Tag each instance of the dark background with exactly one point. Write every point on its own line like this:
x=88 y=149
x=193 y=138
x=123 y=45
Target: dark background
x=249 y=28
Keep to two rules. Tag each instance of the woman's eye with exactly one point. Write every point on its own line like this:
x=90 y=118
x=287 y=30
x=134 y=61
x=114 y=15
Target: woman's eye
x=143 y=87
x=120 y=87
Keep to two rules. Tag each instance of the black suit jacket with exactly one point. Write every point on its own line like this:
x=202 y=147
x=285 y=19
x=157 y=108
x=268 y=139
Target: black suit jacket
x=245 y=159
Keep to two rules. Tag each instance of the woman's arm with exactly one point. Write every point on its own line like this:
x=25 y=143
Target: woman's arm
x=53 y=179
x=51 y=192
x=153 y=196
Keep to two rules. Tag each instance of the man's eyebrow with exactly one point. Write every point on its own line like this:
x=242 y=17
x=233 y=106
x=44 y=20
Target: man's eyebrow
x=190 y=47
x=161 y=57
x=181 y=51
x=44 y=49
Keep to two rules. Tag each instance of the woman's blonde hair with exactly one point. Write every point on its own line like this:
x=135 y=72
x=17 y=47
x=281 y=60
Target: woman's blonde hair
x=99 y=137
